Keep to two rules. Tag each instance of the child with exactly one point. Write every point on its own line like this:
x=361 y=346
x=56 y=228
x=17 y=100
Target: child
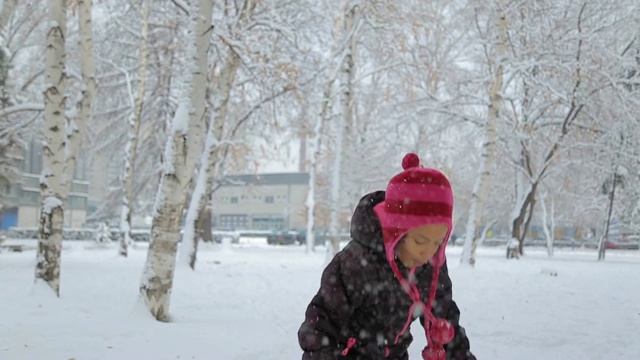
x=393 y=272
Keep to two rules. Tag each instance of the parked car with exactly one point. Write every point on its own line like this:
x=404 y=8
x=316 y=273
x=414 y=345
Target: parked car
x=624 y=243
x=218 y=235
x=321 y=238
x=590 y=243
x=535 y=242
x=566 y=242
x=318 y=239
x=495 y=241
x=283 y=237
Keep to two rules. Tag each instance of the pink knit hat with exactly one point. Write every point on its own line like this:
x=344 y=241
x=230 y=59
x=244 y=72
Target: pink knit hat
x=418 y=196
x=415 y=197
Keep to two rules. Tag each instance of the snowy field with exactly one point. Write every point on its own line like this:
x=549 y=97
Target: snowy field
x=247 y=302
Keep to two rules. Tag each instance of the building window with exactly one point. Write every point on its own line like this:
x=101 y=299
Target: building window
x=34 y=155
x=268 y=199
x=5 y=187
x=266 y=222
x=77 y=202
x=232 y=222
x=30 y=198
x=234 y=199
x=81 y=170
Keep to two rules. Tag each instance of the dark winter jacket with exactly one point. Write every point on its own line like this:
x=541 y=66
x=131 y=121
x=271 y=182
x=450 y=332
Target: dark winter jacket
x=359 y=298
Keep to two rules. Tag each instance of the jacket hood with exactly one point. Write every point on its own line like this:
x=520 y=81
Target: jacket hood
x=365 y=226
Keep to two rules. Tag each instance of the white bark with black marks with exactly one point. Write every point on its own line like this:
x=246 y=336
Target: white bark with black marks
x=198 y=200
x=157 y=278
x=51 y=181
x=212 y=156
x=77 y=120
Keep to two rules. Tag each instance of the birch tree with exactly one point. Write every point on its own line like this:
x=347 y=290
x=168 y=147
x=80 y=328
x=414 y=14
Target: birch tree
x=345 y=43
x=134 y=131
x=63 y=133
x=211 y=158
x=488 y=145
x=77 y=120
x=51 y=181
x=244 y=83
x=197 y=201
x=314 y=153
x=157 y=278
x=119 y=55
x=548 y=226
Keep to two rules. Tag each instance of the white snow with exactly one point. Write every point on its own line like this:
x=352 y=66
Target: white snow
x=248 y=303
x=50 y=203
x=179 y=126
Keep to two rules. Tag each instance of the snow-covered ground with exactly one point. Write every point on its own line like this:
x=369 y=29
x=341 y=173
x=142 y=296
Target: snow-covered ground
x=247 y=302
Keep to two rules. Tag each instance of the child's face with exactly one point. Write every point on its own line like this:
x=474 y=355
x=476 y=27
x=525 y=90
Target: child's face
x=420 y=244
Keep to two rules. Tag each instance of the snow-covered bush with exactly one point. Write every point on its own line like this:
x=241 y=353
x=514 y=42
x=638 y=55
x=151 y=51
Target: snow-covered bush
x=103 y=234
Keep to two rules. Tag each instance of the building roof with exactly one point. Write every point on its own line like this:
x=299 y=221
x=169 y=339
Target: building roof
x=297 y=178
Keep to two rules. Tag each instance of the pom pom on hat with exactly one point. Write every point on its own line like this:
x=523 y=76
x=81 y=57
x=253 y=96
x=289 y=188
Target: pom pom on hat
x=410 y=161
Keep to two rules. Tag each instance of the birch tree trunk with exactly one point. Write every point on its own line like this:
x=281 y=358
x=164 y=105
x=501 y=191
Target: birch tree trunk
x=198 y=96
x=77 y=125
x=488 y=146
x=310 y=201
x=209 y=163
x=157 y=279
x=132 y=143
x=334 y=225
x=51 y=191
x=347 y=74
x=202 y=19
x=548 y=228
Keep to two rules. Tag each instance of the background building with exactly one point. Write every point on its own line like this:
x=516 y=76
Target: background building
x=21 y=198
x=261 y=202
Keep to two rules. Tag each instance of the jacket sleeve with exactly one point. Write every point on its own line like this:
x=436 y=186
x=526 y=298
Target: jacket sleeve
x=445 y=307
x=322 y=334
